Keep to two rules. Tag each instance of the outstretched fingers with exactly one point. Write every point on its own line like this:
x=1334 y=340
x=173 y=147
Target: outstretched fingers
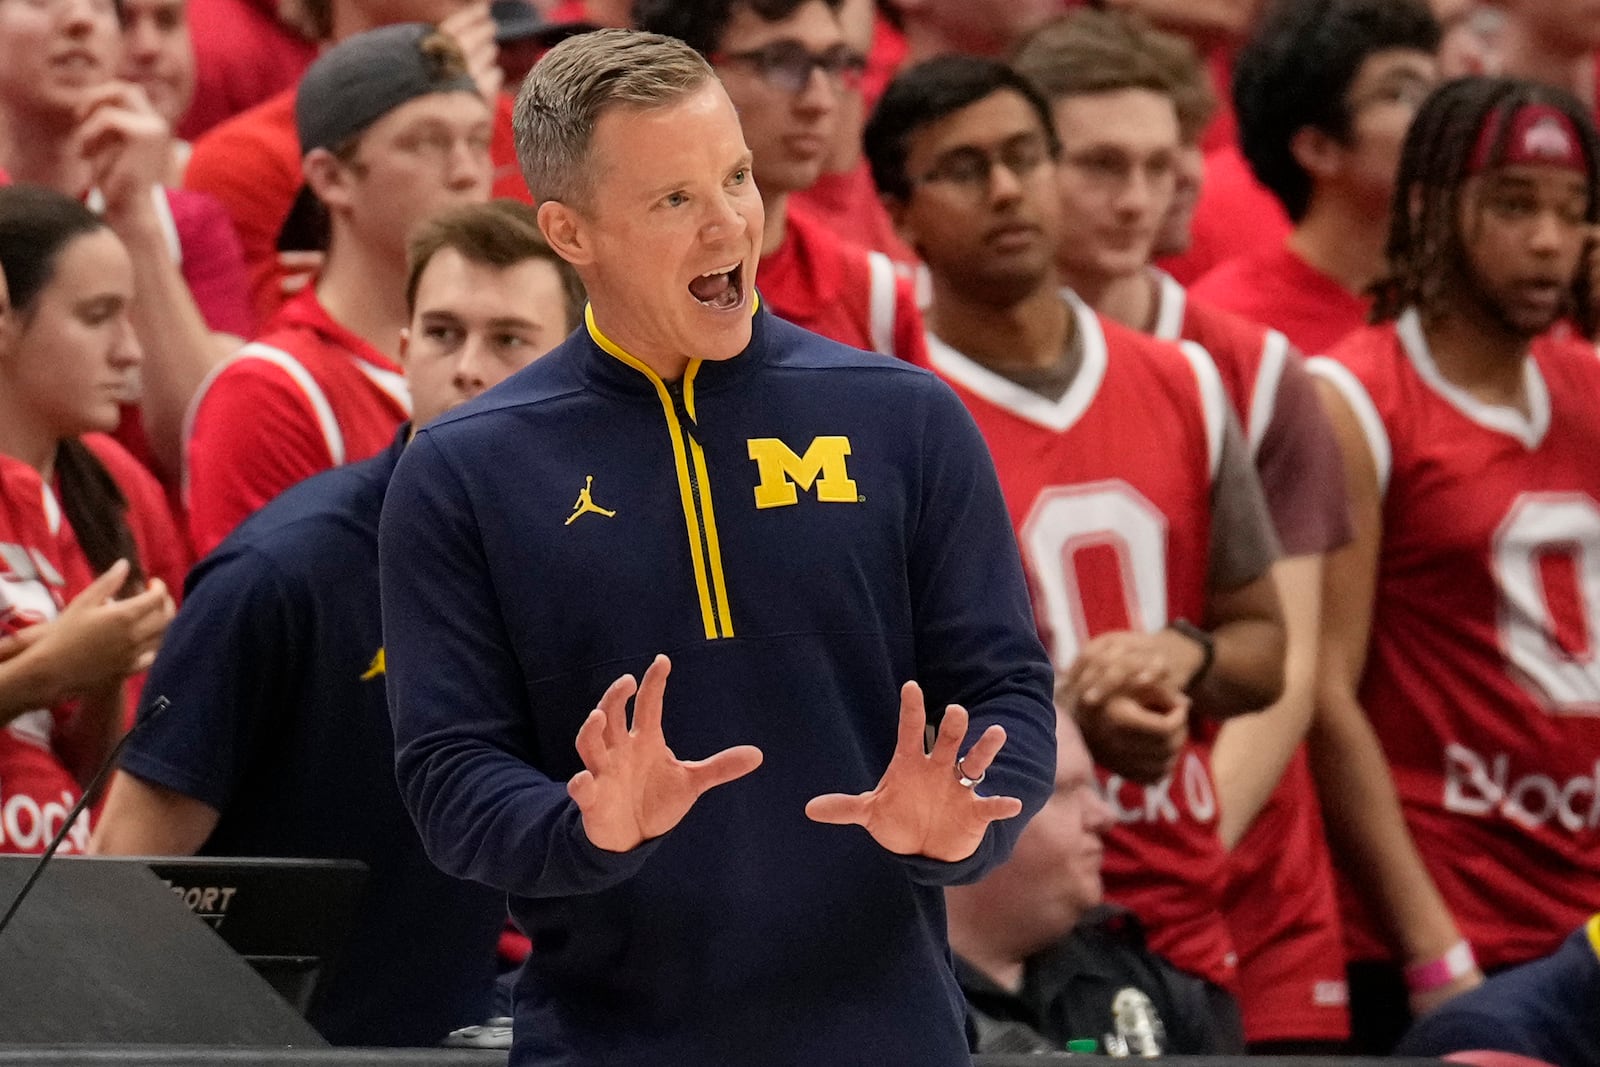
x=614 y=707
x=978 y=758
x=913 y=720
x=994 y=809
x=647 y=705
x=591 y=743
x=839 y=809
x=952 y=731
x=722 y=768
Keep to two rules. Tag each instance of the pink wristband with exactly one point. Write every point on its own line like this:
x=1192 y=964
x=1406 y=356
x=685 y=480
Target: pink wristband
x=1436 y=974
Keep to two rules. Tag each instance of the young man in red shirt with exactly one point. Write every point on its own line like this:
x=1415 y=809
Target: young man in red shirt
x=396 y=133
x=1111 y=83
x=1324 y=92
x=251 y=163
x=1459 y=681
x=1125 y=475
x=785 y=66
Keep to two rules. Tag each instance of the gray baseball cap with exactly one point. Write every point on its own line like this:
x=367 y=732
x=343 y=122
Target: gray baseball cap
x=363 y=78
x=352 y=85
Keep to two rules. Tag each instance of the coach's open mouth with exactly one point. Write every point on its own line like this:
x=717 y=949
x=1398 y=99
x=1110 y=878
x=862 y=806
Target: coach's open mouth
x=721 y=289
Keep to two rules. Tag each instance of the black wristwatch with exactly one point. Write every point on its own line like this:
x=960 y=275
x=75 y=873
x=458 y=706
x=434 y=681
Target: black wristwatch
x=1208 y=650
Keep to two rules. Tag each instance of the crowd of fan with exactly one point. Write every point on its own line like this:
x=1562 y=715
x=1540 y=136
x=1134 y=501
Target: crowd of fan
x=1330 y=778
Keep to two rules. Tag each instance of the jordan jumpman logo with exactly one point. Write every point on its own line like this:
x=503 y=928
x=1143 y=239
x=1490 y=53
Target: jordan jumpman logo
x=586 y=504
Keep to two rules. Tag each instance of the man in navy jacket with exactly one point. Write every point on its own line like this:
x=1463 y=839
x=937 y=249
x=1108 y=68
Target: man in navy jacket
x=812 y=534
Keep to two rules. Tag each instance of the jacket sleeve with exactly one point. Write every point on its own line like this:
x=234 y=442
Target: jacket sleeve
x=460 y=705
x=976 y=641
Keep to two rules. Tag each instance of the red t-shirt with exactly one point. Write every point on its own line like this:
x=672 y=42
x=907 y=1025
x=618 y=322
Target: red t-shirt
x=847 y=203
x=1277 y=288
x=1109 y=488
x=1234 y=217
x=842 y=291
x=243 y=55
x=307 y=395
x=251 y=166
x=1292 y=443
x=163 y=548
x=42 y=567
x=212 y=262
x=207 y=251
x=1281 y=905
x=1482 y=678
x=572 y=11
x=884 y=60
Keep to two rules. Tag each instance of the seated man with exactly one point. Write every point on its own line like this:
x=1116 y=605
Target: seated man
x=277 y=741
x=1547 y=1010
x=1043 y=961
x=394 y=132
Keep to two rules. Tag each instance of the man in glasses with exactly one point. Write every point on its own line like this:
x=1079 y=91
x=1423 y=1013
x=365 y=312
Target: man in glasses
x=1126 y=477
x=784 y=65
x=1113 y=86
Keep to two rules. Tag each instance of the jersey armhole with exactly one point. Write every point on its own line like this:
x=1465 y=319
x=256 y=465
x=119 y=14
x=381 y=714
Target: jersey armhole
x=1365 y=411
x=1213 y=401
x=881 y=301
x=1264 y=396
x=316 y=399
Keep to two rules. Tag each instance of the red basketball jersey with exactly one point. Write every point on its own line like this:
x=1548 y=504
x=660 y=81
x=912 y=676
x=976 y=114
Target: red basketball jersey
x=1281 y=905
x=846 y=293
x=1109 y=488
x=1483 y=675
x=1249 y=357
x=41 y=568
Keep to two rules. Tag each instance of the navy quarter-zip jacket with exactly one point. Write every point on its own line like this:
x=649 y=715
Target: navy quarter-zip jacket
x=802 y=528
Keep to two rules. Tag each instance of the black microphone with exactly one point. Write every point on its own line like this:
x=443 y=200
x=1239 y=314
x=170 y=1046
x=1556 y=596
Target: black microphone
x=157 y=706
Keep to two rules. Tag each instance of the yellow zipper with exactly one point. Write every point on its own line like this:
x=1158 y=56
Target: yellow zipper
x=694 y=489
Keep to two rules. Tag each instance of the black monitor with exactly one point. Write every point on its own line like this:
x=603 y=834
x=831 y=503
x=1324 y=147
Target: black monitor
x=288 y=918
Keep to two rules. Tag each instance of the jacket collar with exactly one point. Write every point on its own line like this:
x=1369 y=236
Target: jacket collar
x=609 y=364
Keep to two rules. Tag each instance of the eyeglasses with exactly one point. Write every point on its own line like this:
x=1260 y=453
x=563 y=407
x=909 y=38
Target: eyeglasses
x=1112 y=170
x=787 y=65
x=1406 y=90
x=969 y=169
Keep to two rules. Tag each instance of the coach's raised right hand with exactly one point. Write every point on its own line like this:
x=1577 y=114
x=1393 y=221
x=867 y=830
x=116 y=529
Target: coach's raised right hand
x=632 y=787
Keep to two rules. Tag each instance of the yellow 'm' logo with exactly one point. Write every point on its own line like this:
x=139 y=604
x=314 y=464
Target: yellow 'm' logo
x=375 y=668
x=822 y=466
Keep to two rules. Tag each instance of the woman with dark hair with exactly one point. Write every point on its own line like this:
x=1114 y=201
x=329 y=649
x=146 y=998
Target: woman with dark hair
x=73 y=505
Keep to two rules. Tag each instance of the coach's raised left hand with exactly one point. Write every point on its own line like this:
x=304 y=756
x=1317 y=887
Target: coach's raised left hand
x=927 y=803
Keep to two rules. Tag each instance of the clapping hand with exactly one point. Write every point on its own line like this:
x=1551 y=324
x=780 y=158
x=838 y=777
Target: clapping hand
x=1137 y=732
x=926 y=804
x=632 y=787
x=1125 y=660
x=98 y=640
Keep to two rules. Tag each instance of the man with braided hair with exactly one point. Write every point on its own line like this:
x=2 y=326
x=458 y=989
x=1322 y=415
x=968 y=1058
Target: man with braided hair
x=1456 y=735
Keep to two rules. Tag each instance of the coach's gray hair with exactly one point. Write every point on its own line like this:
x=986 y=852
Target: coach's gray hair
x=578 y=81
